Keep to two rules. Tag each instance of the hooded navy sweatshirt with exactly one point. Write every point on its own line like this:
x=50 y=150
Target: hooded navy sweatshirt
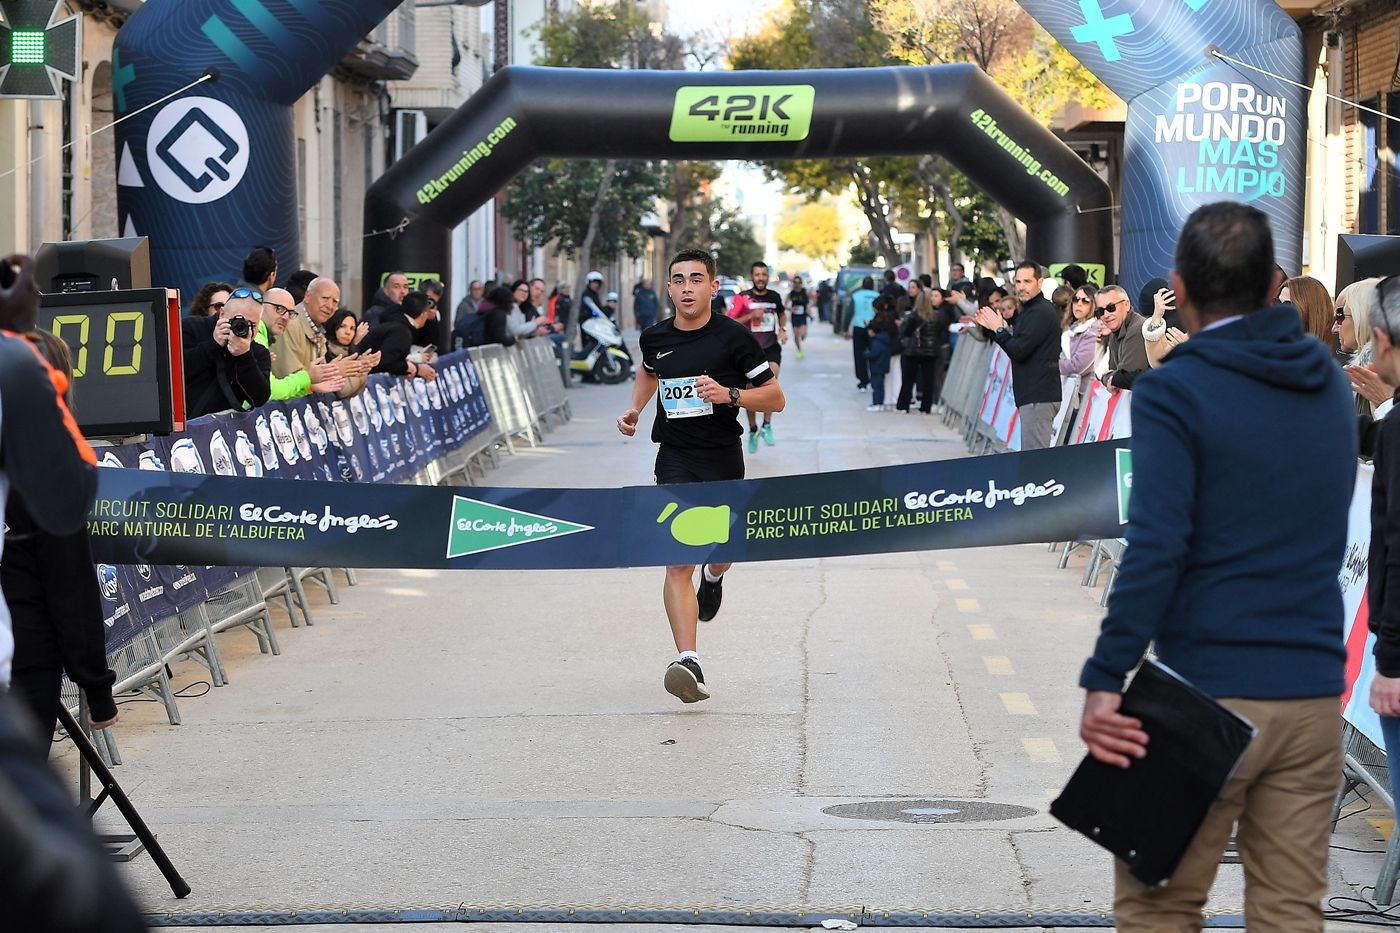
x=1244 y=460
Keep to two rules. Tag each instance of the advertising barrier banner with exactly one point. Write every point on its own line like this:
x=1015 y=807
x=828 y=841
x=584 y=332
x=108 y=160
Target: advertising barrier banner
x=386 y=434
x=1354 y=577
x=1060 y=494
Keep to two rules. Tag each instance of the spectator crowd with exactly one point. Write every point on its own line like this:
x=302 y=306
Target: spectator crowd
x=249 y=342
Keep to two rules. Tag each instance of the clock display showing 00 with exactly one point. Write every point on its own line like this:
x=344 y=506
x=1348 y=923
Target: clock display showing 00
x=121 y=348
x=125 y=350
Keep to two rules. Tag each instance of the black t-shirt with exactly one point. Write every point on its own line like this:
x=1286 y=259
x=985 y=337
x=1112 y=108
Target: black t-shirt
x=725 y=351
x=765 y=329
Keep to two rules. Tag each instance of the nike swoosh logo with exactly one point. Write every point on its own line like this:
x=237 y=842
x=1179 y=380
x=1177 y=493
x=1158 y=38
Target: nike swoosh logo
x=667 y=353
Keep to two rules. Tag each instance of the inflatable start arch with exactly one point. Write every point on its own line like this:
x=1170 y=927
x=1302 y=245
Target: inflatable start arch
x=526 y=113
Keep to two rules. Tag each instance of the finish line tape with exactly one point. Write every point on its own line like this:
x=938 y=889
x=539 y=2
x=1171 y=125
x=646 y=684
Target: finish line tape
x=1061 y=494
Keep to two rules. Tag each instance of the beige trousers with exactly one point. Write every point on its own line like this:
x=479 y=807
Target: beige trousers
x=1282 y=798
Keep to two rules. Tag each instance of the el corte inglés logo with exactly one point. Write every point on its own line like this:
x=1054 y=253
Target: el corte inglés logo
x=480 y=526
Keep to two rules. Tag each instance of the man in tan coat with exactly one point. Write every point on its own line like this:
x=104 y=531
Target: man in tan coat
x=303 y=344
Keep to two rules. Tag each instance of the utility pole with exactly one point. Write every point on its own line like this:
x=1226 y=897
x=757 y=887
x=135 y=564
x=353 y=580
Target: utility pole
x=502 y=33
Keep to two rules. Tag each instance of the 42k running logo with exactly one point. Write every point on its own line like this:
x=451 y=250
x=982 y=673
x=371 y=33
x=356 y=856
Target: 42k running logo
x=742 y=113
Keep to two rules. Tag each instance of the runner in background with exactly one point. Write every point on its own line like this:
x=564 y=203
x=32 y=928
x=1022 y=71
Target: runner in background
x=701 y=362
x=762 y=311
x=797 y=302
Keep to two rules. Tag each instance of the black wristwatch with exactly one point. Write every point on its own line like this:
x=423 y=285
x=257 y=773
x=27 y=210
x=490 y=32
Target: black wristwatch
x=1002 y=330
x=734 y=397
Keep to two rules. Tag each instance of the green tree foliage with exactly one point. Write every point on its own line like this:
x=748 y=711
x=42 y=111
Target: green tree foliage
x=814 y=230
x=996 y=35
x=552 y=201
x=733 y=242
x=825 y=34
x=861 y=254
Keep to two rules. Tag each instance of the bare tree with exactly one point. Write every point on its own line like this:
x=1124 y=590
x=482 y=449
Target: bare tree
x=877 y=211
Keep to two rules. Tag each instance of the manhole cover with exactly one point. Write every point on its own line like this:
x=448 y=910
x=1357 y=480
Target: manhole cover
x=930 y=811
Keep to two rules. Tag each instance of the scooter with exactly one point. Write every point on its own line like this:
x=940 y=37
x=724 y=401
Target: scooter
x=604 y=357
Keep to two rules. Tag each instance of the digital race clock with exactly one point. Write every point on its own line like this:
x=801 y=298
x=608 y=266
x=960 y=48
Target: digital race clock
x=127 y=373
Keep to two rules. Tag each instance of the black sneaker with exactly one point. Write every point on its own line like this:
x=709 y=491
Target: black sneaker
x=685 y=681
x=709 y=596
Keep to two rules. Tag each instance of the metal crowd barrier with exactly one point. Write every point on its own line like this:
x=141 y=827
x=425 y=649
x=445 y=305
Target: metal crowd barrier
x=963 y=386
x=526 y=396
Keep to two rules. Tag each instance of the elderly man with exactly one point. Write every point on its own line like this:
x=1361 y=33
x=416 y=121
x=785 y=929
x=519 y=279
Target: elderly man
x=318 y=376
x=301 y=346
x=467 y=306
x=1122 y=334
x=225 y=367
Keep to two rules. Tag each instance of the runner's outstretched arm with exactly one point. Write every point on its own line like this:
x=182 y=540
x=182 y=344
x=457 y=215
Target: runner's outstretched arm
x=642 y=391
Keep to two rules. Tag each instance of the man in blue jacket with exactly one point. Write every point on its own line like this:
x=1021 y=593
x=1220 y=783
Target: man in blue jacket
x=1244 y=459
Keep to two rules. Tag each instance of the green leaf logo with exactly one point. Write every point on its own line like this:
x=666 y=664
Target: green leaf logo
x=481 y=526
x=698 y=526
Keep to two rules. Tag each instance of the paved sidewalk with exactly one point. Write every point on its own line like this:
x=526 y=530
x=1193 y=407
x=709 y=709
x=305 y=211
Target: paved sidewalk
x=503 y=737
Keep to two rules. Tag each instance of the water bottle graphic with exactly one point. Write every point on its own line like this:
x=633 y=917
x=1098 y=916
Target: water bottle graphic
x=357 y=410
x=265 y=443
x=247 y=455
x=219 y=456
x=315 y=430
x=299 y=435
x=110 y=459
x=386 y=407
x=341 y=420
x=184 y=457
x=149 y=461
x=282 y=435
x=376 y=420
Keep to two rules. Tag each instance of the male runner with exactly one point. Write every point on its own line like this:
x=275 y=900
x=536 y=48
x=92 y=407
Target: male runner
x=767 y=321
x=797 y=301
x=701 y=361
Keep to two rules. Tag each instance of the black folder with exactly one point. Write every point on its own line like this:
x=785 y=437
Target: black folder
x=1148 y=813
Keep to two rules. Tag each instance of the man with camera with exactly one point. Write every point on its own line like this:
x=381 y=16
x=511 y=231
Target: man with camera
x=225 y=367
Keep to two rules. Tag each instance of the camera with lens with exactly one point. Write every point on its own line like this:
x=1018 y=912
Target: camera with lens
x=238 y=326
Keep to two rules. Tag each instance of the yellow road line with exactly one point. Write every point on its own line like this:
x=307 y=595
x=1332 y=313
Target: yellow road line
x=1018 y=704
x=982 y=633
x=956 y=584
x=969 y=605
x=947 y=566
x=997 y=664
x=1042 y=751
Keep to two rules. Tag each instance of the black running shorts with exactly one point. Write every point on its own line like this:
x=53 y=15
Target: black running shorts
x=774 y=353
x=698 y=464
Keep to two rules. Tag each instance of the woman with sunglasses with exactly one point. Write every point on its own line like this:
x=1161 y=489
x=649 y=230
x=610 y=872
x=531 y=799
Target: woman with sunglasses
x=209 y=299
x=1080 y=340
x=1352 y=325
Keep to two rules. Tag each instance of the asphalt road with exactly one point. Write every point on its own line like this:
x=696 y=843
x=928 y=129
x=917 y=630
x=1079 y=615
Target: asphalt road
x=885 y=731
